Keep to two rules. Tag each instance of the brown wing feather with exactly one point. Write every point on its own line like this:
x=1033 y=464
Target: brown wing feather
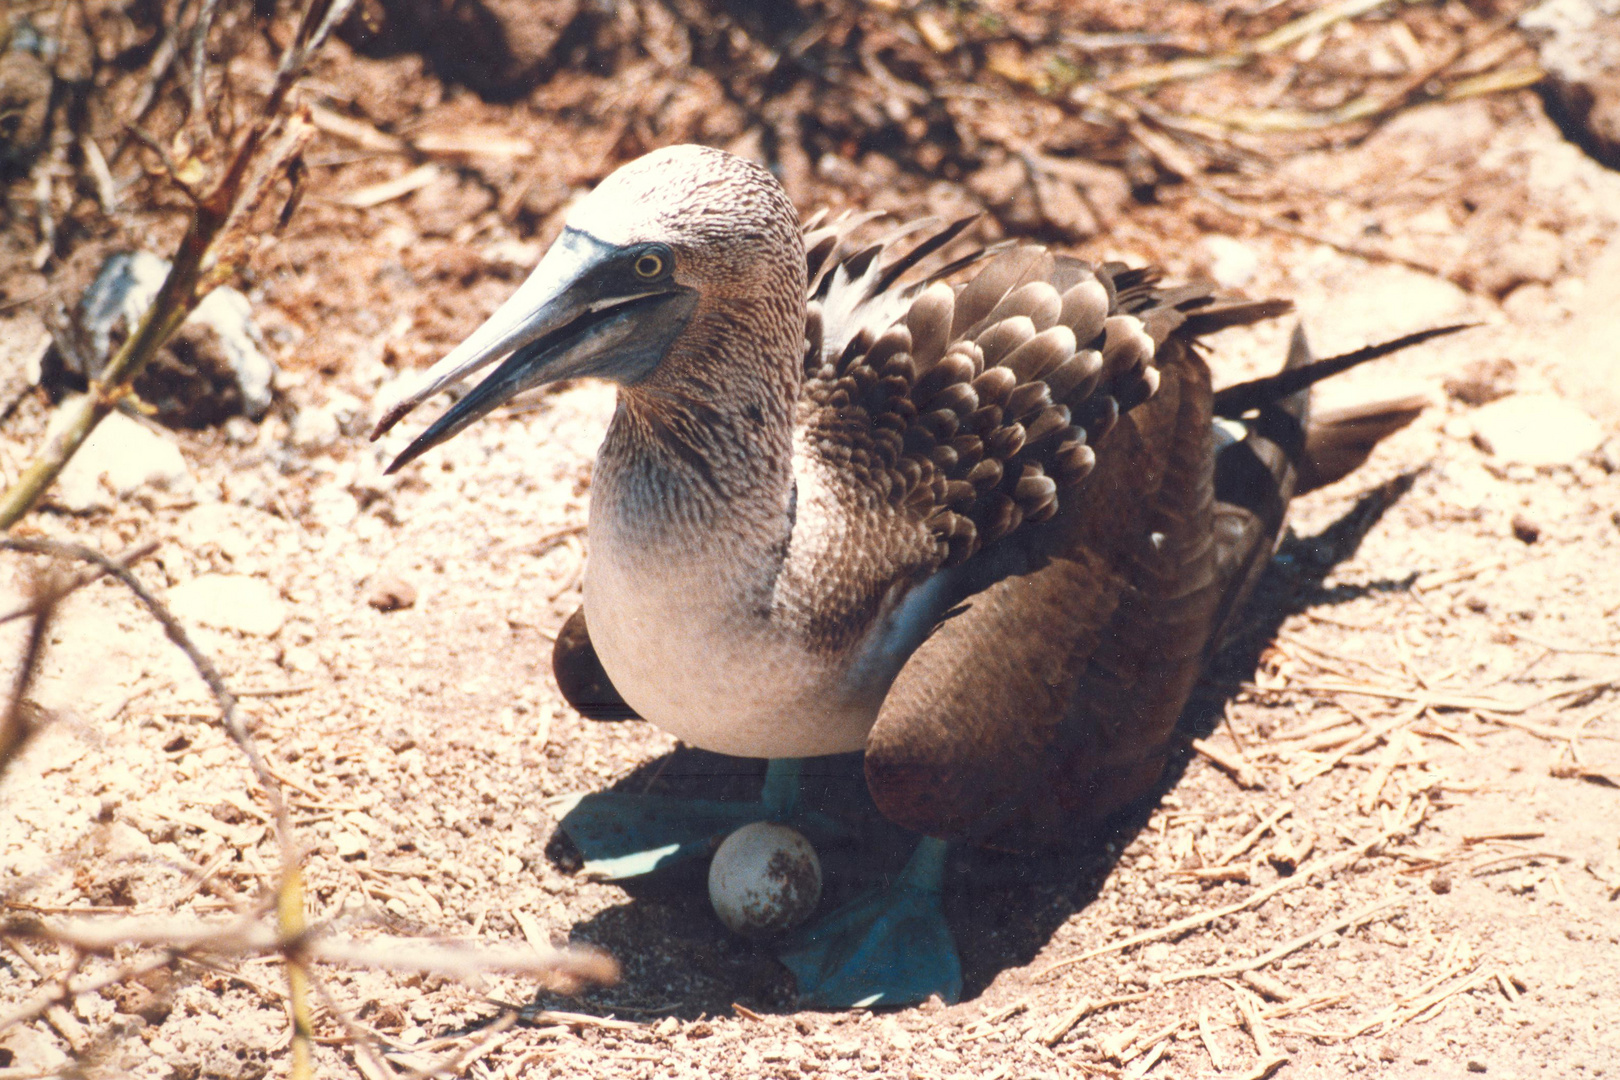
x=946 y=419
x=973 y=411
x=1047 y=699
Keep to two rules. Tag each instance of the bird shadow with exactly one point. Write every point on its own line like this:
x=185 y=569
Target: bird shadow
x=1003 y=909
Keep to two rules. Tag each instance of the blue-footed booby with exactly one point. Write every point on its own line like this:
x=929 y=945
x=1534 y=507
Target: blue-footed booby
x=983 y=520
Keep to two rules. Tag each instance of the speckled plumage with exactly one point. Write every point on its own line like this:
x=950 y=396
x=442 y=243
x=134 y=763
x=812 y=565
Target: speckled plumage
x=971 y=527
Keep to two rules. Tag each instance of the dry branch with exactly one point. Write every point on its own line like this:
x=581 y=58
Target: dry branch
x=253 y=935
x=196 y=266
x=17 y=721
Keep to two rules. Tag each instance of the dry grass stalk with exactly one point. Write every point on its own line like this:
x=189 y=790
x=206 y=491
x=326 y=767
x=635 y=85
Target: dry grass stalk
x=1293 y=945
x=1413 y=1006
x=1416 y=86
x=1405 y=821
x=1214 y=873
x=1252 y=837
x=59 y=1018
x=63 y=987
x=1265 y=1069
x=1142 y=1065
x=1053 y=1033
x=1311 y=770
x=1232 y=762
x=1115 y=1045
x=1206 y=1035
x=1289 y=853
x=1149 y=1042
x=989 y=1024
x=1249 y=1014
x=1267 y=987
x=1196 y=67
x=1401 y=745
x=253 y=935
x=1289 y=228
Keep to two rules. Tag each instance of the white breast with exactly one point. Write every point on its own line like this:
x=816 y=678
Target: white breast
x=703 y=667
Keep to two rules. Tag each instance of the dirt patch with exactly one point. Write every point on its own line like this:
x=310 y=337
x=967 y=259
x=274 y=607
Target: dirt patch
x=1407 y=861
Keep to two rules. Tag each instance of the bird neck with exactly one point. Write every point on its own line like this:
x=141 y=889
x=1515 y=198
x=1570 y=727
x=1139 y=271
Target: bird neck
x=699 y=456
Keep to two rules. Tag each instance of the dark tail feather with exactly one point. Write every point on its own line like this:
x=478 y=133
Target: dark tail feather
x=1286 y=449
x=1222 y=314
x=1338 y=441
x=1234 y=401
x=1255 y=477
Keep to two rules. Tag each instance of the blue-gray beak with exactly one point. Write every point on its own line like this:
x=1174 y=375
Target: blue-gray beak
x=582 y=312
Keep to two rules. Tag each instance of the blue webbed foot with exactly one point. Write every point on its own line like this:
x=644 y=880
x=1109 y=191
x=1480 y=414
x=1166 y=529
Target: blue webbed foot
x=625 y=836
x=890 y=947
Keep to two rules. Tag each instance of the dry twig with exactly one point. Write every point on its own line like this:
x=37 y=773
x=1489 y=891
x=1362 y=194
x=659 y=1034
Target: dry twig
x=1405 y=823
x=1291 y=946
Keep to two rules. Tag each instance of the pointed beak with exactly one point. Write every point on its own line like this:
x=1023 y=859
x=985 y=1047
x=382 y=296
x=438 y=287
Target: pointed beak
x=578 y=314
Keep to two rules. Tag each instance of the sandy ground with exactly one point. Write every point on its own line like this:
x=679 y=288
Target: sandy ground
x=1413 y=871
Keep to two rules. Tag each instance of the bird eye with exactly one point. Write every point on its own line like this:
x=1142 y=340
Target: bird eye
x=648 y=265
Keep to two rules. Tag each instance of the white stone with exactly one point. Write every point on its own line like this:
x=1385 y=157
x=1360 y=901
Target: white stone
x=31 y=1052
x=765 y=878
x=125 y=841
x=1535 y=430
x=314 y=428
x=247 y=605
x=120 y=458
x=1232 y=263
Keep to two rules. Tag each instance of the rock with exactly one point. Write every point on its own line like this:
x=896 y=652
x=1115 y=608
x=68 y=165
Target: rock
x=999 y=183
x=390 y=592
x=213 y=367
x=1229 y=261
x=28 y=1051
x=125 y=841
x=1535 y=430
x=318 y=426
x=1064 y=208
x=25 y=102
x=236 y=602
x=1579 y=46
x=1482 y=382
x=121 y=458
x=498 y=48
x=1525 y=530
x=1500 y=261
x=1608 y=455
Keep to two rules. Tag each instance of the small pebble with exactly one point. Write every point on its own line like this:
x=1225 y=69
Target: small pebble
x=1440 y=884
x=1476 y=1066
x=1607 y=456
x=1482 y=382
x=1525 y=530
x=389 y=592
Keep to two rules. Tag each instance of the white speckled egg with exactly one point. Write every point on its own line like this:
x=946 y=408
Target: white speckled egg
x=764 y=879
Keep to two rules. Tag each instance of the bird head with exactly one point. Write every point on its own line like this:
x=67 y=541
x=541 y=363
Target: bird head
x=678 y=236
